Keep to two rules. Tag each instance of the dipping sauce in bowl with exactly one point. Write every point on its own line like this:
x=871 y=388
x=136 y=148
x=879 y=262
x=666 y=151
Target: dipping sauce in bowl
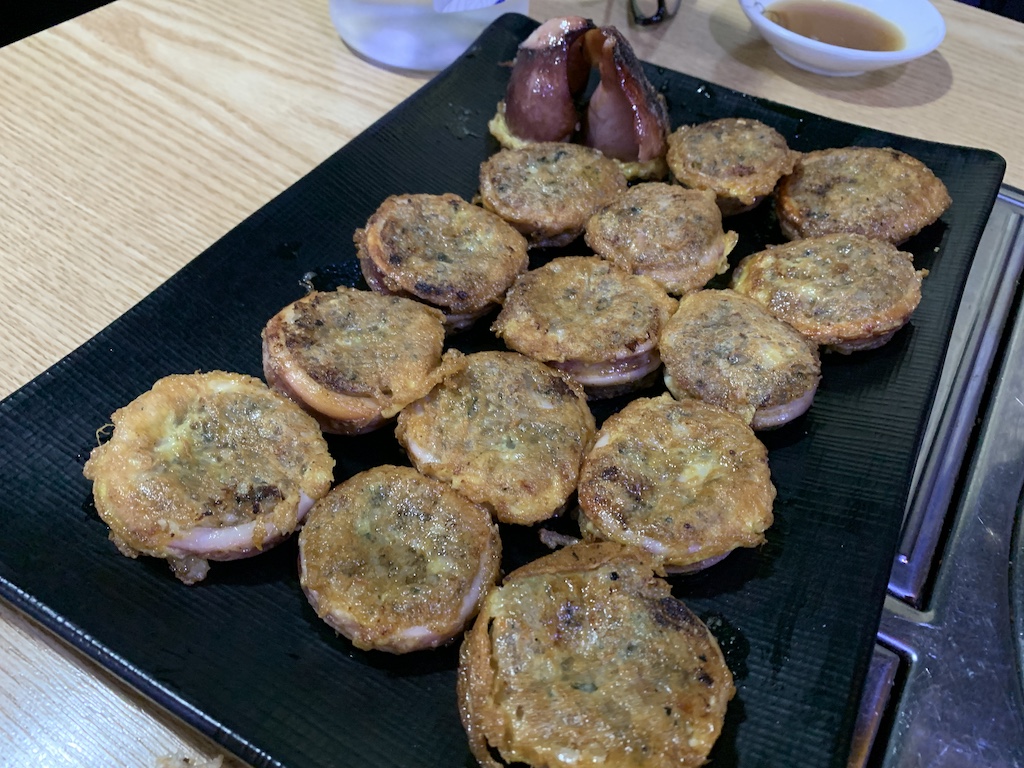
x=837 y=23
x=847 y=37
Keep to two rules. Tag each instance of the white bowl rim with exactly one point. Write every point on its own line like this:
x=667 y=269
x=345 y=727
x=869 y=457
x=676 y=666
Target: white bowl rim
x=754 y=9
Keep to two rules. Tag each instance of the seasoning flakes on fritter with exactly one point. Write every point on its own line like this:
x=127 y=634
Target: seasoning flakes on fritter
x=584 y=657
x=685 y=480
x=589 y=318
x=846 y=292
x=504 y=430
x=396 y=561
x=548 y=190
x=879 y=193
x=666 y=232
x=726 y=349
x=353 y=358
x=739 y=159
x=207 y=466
x=443 y=251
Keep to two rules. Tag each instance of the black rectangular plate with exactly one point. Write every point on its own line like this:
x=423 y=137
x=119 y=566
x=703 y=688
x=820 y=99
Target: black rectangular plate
x=244 y=658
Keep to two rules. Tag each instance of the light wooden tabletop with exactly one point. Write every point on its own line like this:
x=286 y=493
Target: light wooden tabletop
x=135 y=136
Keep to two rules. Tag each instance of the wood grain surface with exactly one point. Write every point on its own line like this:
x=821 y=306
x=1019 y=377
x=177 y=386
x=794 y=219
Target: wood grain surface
x=133 y=137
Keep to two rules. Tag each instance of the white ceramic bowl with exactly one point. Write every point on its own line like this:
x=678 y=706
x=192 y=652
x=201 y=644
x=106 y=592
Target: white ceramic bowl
x=922 y=26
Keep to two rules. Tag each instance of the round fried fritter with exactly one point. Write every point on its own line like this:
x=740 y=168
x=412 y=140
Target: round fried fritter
x=845 y=292
x=666 y=232
x=548 y=190
x=737 y=158
x=583 y=657
x=682 y=479
x=589 y=318
x=880 y=193
x=353 y=358
x=207 y=466
x=726 y=349
x=443 y=251
x=396 y=561
x=504 y=430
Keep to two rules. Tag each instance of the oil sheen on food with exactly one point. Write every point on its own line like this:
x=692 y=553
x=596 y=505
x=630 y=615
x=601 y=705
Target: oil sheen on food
x=837 y=23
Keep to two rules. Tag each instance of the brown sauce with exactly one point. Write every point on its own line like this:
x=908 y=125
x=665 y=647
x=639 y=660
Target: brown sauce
x=836 y=23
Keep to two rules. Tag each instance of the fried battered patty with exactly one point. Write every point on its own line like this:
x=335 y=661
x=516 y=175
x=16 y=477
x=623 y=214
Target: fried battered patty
x=353 y=358
x=583 y=657
x=548 y=190
x=207 y=466
x=739 y=159
x=441 y=250
x=880 y=193
x=670 y=234
x=396 y=561
x=844 y=291
x=726 y=349
x=685 y=480
x=504 y=430
x=589 y=318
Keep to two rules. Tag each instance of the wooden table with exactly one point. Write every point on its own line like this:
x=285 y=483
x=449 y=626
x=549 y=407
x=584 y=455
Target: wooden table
x=135 y=136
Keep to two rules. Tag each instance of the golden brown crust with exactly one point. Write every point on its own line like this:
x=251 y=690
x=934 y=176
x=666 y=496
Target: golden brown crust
x=726 y=349
x=548 y=190
x=396 y=561
x=670 y=234
x=879 y=193
x=353 y=358
x=535 y=687
x=506 y=431
x=685 y=480
x=739 y=159
x=587 y=317
x=441 y=250
x=843 y=291
x=203 y=454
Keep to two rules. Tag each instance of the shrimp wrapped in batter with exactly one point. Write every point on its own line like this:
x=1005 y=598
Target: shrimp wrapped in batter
x=396 y=561
x=443 y=251
x=845 y=292
x=591 y=319
x=726 y=349
x=549 y=190
x=207 y=466
x=739 y=159
x=670 y=234
x=354 y=359
x=877 y=192
x=504 y=430
x=584 y=657
x=684 y=480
